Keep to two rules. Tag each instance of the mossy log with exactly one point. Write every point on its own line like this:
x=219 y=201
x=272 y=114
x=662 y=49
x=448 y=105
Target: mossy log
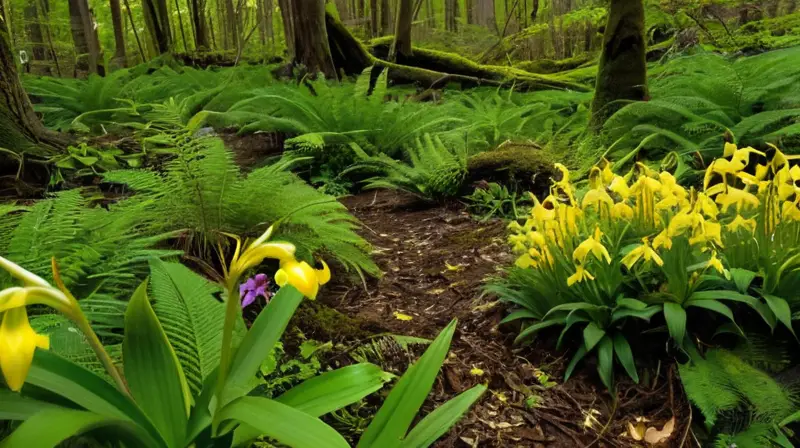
x=517 y=164
x=428 y=68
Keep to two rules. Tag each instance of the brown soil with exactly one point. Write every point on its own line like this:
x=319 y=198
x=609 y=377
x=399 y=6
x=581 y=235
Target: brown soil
x=435 y=261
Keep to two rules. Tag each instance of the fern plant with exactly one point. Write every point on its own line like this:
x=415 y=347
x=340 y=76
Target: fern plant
x=434 y=170
x=203 y=192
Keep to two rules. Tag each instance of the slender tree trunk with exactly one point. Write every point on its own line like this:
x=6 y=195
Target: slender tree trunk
x=21 y=132
x=199 y=21
x=485 y=15
x=157 y=19
x=232 y=27
x=33 y=25
x=180 y=26
x=135 y=32
x=535 y=11
x=87 y=46
x=386 y=17
x=310 y=37
x=791 y=6
x=119 y=33
x=401 y=46
x=622 y=74
x=374 y=14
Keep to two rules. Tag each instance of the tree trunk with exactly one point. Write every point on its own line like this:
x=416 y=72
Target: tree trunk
x=622 y=74
x=535 y=11
x=374 y=13
x=180 y=26
x=791 y=6
x=157 y=19
x=288 y=25
x=401 y=47
x=84 y=35
x=199 y=21
x=386 y=17
x=232 y=27
x=34 y=28
x=21 y=132
x=485 y=15
x=119 y=34
x=310 y=38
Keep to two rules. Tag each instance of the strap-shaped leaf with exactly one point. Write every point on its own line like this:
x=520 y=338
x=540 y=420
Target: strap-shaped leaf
x=393 y=419
x=14 y=406
x=605 y=361
x=592 y=334
x=675 y=316
x=336 y=389
x=153 y=372
x=645 y=314
x=283 y=423
x=259 y=341
x=519 y=314
x=780 y=307
x=742 y=278
x=713 y=305
x=625 y=356
x=579 y=354
x=535 y=328
x=438 y=422
x=86 y=389
x=52 y=426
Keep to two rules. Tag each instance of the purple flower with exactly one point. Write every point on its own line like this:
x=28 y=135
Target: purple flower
x=254 y=287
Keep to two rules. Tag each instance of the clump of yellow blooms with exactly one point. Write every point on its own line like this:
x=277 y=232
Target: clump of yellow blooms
x=651 y=209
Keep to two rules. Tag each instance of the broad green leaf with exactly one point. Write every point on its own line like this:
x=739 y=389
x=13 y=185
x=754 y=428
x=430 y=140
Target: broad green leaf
x=438 y=422
x=579 y=354
x=336 y=389
x=153 y=372
x=605 y=361
x=742 y=278
x=645 y=314
x=52 y=426
x=519 y=314
x=192 y=318
x=86 y=389
x=393 y=419
x=713 y=305
x=780 y=307
x=14 y=406
x=533 y=329
x=625 y=356
x=288 y=426
x=572 y=307
x=592 y=335
x=572 y=319
x=259 y=341
x=633 y=304
x=675 y=316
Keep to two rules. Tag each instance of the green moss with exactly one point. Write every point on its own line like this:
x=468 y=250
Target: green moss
x=549 y=66
x=526 y=167
x=324 y=323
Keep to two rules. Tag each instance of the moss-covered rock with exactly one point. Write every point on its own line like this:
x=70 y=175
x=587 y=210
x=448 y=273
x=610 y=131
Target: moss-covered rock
x=524 y=166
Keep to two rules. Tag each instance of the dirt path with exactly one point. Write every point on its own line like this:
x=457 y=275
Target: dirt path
x=436 y=260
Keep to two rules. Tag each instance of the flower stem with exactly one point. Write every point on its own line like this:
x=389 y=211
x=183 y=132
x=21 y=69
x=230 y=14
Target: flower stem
x=231 y=312
x=102 y=354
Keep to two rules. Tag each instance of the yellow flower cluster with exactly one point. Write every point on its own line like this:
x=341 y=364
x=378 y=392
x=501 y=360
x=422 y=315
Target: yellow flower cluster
x=653 y=206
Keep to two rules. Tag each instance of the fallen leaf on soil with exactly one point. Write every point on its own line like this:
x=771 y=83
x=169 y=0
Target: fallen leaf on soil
x=436 y=292
x=476 y=372
x=401 y=316
x=486 y=306
x=590 y=419
x=655 y=437
x=456 y=268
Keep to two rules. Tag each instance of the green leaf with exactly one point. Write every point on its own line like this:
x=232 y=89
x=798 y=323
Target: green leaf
x=645 y=314
x=592 y=335
x=633 y=304
x=605 y=361
x=86 y=389
x=742 y=278
x=393 y=419
x=336 y=389
x=519 y=314
x=283 y=423
x=192 y=318
x=625 y=356
x=14 y=406
x=52 y=426
x=572 y=319
x=675 y=316
x=438 y=422
x=780 y=307
x=573 y=307
x=579 y=354
x=153 y=372
x=259 y=341
x=713 y=305
x=533 y=329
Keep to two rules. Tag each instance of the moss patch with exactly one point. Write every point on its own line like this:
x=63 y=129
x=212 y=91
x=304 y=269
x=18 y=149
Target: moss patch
x=323 y=323
x=526 y=167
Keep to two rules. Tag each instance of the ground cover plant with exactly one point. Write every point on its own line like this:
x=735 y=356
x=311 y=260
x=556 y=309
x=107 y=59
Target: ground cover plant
x=399 y=223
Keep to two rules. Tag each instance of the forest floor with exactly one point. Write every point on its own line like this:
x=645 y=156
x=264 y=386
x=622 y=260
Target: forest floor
x=436 y=260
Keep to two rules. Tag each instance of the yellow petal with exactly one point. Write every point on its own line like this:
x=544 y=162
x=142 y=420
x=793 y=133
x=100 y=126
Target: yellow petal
x=730 y=149
x=18 y=342
x=632 y=257
x=621 y=211
x=302 y=277
x=400 y=316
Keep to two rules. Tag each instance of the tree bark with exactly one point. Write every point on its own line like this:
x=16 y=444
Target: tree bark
x=34 y=28
x=622 y=74
x=120 y=59
x=386 y=17
x=484 y=14
x=87 y=45
x=232 y=27
x=199 y=21
x=401 y=46
x=22 y=135
x=156 y=17
x=310 y=37
x=374 y=14
x=288 y=25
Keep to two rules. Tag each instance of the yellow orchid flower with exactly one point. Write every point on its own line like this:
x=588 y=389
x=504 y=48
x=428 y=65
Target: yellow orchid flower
x=544 y=211
x=619 y=186
x=591 y=245
x=707 y=232
x=621 y=210
x=536 y=238
x=741 y=223
x=596 y=197
x=738 y=197
x=525 y=261
x=302 y=277
x=729 y=150
x=643 y=251
x=18 y=342
x=790 y=210
x=580 y=275
x=663 y=239
x=716 y=263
